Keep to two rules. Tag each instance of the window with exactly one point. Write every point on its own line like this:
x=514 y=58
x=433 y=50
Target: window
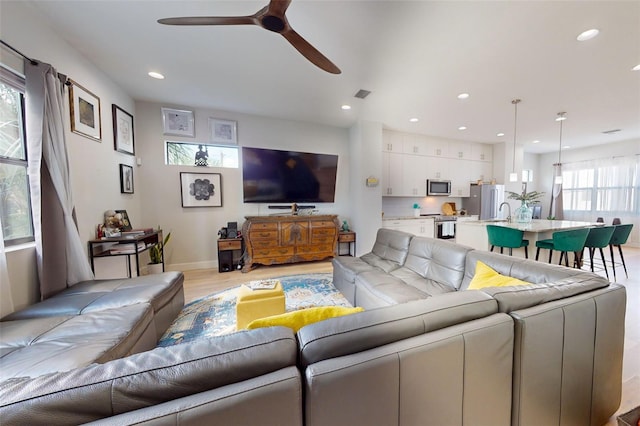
x=603 y=187
x=15 y=203
x=201 y=154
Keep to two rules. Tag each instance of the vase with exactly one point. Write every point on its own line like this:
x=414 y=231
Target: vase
x=524 y=213
x=155 y=268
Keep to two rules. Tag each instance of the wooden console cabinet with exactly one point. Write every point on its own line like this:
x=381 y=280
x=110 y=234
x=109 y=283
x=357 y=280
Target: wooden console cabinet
x=273 y=240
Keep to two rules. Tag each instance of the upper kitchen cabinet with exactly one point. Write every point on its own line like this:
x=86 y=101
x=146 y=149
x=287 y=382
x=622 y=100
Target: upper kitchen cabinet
x=415 y=145
x=392 y=141
x=482 y=152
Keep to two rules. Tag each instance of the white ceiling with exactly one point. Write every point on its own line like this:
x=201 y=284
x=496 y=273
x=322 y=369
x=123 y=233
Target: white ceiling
x=415 y=57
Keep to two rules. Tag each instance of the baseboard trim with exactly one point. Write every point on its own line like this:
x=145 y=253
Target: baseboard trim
x=208 y=264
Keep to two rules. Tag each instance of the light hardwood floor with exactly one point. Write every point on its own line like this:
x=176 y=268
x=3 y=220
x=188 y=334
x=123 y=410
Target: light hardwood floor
x=202 y=282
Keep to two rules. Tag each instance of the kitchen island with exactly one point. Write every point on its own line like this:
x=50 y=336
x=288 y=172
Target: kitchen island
x=474 y=233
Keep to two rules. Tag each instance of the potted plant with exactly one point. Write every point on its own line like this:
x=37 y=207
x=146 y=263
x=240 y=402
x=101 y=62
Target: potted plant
x=155 y=255
x=524 y=213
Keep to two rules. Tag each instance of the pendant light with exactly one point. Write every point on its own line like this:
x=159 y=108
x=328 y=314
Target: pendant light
x=561 y=117
x=513 y=176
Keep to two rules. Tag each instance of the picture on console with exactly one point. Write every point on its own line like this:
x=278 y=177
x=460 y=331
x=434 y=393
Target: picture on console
x=274 y=176
x=201 y=189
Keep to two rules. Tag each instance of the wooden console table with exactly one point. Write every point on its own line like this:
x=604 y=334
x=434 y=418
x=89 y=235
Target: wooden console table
x=273 y=240
x=117 y=246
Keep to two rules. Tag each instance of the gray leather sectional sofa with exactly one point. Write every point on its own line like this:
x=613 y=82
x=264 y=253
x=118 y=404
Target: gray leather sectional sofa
x=549 y=353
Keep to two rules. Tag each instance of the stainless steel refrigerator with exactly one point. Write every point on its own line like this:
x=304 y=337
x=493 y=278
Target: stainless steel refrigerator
x=484 y=201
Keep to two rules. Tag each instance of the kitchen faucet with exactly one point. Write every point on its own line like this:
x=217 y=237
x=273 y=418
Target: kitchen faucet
x=508 y=205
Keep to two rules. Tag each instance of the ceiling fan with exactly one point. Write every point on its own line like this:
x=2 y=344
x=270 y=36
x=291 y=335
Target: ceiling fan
x=271 y=17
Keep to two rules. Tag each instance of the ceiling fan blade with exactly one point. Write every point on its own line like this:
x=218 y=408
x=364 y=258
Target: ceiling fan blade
x=310 y=52
x=278 y=7
x=210 y=20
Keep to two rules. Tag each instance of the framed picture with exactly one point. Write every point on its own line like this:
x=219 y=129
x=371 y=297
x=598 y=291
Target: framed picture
x=123 y=131
x=201 y=189
x=223 y=131
x=85 y=112
x=126 y=224
x=178 y=122
x=126 y=179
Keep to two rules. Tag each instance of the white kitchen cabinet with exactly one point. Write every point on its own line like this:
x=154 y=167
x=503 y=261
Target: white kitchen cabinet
x=482 y=152
x=423 y=227
x=415 y=145
x=414 y=175
x=461 y=172
x=437 y=147
x=392 y=141
x=391 y=174
x=459 y=150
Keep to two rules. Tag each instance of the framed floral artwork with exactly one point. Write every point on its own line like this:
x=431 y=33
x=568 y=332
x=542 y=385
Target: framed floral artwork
x=85 y=112
x=123 y=131
x=201 y=189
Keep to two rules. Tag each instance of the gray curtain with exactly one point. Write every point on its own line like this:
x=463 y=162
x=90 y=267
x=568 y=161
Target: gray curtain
x=556 y=209
x=60 y=255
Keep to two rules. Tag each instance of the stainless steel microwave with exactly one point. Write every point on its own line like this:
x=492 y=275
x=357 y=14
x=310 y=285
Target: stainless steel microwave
x=438 y=187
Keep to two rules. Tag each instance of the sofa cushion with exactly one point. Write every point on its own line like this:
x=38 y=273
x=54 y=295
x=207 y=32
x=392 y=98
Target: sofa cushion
x=97 y=295
x=437 y=260
x=336 y=337
x=146 y=379
x=375 y=289
x=487 y=277
x=33 y=347
x=297 y=319
x=390 y=249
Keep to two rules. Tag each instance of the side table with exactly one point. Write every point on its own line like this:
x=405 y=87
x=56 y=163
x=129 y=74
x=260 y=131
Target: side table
x=229 y=254
x=348 y=237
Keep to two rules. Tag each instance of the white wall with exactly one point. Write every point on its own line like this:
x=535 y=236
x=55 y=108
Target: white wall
x=194 y=231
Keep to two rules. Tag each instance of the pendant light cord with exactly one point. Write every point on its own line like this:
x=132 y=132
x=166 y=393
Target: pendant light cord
x=515 y=102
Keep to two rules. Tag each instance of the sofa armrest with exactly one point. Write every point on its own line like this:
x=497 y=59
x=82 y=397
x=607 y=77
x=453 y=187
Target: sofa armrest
x=146 y=379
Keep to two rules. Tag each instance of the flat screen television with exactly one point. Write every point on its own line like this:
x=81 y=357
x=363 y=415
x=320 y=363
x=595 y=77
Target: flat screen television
x=274 y=176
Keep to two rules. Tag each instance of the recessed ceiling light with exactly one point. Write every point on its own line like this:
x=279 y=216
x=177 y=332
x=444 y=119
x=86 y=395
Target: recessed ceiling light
x=462 y=128
x=463 y=96
x=636 y=68
x=536 y=141
x=414 y=120
x=346 y=107
x=588 y=35
x=500 y=134
x=156 y=75
x=566 y=147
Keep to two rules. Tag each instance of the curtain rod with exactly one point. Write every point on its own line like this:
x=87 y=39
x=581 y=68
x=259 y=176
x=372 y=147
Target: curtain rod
x=63 y=78
x=33 y=61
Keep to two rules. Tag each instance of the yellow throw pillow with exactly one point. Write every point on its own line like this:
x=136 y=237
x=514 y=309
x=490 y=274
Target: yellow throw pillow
x=487 y=277
x=298 y=319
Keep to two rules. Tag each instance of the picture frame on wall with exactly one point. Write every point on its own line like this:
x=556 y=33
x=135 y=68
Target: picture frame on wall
x=178 y=122
x=126 y=179
x=201 y=189
x=85 y=112
x=123 y=138
x=223 y=131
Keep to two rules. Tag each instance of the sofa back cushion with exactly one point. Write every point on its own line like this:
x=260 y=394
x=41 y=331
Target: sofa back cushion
x=549 y=282
x=438 y=261
x=390 y=249
x=365 y=330
x=146 y=379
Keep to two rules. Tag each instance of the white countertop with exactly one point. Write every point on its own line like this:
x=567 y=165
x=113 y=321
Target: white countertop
x=536 y=225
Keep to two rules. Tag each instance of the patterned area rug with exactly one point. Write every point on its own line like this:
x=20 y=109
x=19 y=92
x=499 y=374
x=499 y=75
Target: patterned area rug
x=215 y=315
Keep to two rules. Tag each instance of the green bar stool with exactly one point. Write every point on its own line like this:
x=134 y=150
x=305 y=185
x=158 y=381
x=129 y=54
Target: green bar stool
x=598 y=238
x=565 y=242
x=500 y=236
x=619 y=237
